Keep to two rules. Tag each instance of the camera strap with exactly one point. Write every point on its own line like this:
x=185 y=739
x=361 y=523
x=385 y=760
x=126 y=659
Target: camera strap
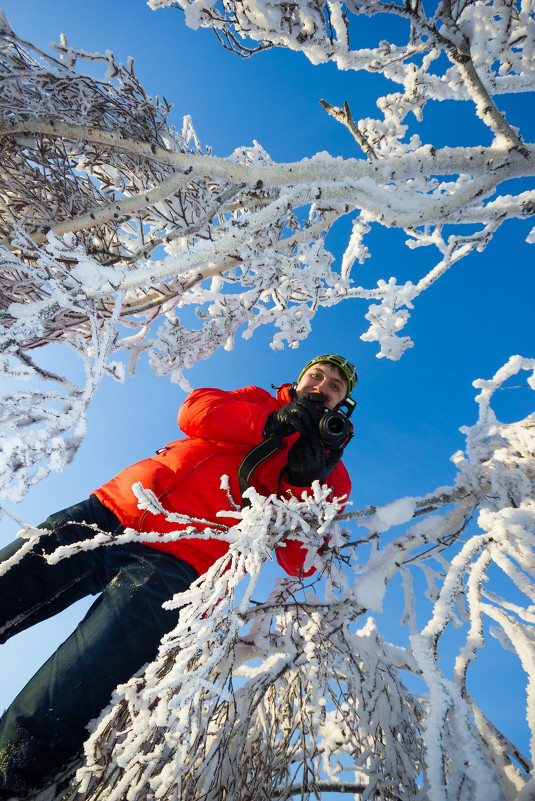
x=254 y=458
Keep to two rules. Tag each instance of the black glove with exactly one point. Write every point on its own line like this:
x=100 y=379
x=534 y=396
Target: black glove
x=306 y=461
x=332 y=458
x=301 y=416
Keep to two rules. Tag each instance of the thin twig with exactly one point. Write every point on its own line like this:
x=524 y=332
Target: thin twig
x=344 y=116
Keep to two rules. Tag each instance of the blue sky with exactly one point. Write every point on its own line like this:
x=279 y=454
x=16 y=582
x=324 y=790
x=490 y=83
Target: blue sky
x=409 y=412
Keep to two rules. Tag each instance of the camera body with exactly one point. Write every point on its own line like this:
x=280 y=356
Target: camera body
x=334 y=427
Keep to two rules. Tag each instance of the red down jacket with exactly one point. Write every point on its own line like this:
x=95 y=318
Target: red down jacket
x=220 y=427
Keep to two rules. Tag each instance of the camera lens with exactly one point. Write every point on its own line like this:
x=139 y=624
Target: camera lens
x=335 y=425
x=334 y=428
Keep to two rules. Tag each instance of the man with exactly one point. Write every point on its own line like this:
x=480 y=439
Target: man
x=270 y=443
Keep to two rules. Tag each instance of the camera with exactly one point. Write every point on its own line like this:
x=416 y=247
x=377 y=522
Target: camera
x=334 y=427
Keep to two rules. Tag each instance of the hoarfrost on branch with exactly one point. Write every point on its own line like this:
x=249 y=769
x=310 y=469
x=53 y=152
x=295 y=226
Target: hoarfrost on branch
x=299 y=694
x=114 y=223
x=112 y=219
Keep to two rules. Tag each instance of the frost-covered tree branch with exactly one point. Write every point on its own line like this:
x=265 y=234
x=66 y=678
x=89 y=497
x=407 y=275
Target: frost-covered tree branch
x=113 y=223
x=299 y=696
x=100 y=195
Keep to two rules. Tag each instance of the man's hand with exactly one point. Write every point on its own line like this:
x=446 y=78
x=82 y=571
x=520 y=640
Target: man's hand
x=301 y=416
x=332 y=458
x=306 y=461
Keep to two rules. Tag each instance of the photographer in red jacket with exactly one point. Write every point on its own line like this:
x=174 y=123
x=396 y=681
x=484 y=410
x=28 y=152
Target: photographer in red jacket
x=279 y=445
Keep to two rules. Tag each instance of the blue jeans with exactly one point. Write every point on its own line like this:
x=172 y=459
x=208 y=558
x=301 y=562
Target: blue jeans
x=46 y=725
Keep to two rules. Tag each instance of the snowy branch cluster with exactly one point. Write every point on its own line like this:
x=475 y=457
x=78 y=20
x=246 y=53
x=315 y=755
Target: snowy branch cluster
x=113 y=224
x=299 y=694
x=112 y=219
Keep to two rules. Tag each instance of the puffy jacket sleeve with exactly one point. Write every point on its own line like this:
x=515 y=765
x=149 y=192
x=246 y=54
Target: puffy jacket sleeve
x=291 y=556
x=227 y=416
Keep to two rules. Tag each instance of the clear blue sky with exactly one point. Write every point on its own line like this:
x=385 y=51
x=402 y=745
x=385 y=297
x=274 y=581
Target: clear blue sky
x=409 y=412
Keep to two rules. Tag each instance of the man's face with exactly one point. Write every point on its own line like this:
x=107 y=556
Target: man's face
x=325 y=378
